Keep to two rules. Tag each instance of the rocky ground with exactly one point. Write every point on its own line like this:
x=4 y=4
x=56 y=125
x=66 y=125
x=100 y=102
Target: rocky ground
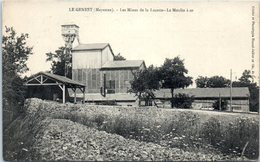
x=66 y=140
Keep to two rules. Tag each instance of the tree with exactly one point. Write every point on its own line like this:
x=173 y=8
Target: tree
x=246 y=77
x=212 y=82
x=254 y=98
x=173 y=74
x=218 y=82
x=246 y=81
x=58 y=59
x=118 y=57
x=144 y=82
x=15 y=54
x=202 y=82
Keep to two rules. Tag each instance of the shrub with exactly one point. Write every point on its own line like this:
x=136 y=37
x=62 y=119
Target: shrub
x=238 y=133
x=182 y=100
x=182 y=130
x=223 y=105
x=212 y=132
x=231 y=138
x=20 y=136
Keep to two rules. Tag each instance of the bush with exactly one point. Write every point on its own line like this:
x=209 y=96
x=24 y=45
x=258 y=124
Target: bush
x=182 y=130
x=212 y=132
x=223 y=105
x=20 y=136
x=182 y=100
x=13 y=99
x=238 y=133
x=254 y=98
x=231 y=138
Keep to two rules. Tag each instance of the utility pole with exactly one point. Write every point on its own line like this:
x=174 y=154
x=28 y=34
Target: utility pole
x=104 y=88
x=231 y=109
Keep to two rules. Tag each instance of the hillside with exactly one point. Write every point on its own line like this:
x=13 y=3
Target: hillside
x=53 y=131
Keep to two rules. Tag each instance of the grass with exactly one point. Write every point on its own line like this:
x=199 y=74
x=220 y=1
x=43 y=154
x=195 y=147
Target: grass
x=20 y=135
x=227 y=133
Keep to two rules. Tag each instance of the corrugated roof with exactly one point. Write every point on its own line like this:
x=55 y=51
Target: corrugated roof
x=109 y=97
x=90 y=46
x=122 y=64
x=205 y=92
x=59 y=78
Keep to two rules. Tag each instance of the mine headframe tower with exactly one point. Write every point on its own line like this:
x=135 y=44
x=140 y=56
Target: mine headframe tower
x=69 y=32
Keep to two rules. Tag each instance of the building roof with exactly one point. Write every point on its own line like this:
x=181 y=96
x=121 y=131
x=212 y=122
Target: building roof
x=62 y=79
x=58 y=78
x=90 y=46
x=70 y=25
x=122 y=64
x=109 y=97
x=205 y=92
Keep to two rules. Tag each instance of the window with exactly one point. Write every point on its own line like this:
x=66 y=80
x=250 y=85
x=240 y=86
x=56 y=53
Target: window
x=80 y=75
x=94 y=79
x=127 y=85
x=110 y=85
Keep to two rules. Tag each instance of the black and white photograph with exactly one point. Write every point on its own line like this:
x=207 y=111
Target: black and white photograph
x=130 y=80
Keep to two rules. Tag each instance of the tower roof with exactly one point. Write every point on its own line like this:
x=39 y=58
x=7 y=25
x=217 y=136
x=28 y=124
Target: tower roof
x=74 y=25
x=123 y=64
x=90 y=46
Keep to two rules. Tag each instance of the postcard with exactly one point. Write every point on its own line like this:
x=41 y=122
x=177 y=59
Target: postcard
x=130 y=80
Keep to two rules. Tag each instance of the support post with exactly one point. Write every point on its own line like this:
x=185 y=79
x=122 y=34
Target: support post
x=105 y=86
x=84 y=95
x=75 y=95
x=231 y=109
x=63 y=93
x=41 y=79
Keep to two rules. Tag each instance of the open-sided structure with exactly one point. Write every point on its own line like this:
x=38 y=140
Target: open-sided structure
x=48 y=79
x=205 y=97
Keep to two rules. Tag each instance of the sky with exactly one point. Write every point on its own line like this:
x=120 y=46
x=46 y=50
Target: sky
x=211 y=37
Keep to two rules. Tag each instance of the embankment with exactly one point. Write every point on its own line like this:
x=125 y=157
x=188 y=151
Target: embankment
x=53 y=131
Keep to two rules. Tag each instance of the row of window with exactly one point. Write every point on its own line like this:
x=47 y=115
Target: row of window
x=81 y=74
x=111 y=86
x=94 y=82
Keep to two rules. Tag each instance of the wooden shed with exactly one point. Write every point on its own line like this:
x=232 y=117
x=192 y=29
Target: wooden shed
x=51 y=86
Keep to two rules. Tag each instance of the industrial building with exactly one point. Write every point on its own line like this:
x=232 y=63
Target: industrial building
x=94 y=66
x=205 y=97
x=98 y=78
x=105 y=78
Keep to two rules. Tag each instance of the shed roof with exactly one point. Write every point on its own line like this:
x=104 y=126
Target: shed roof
x=205 y=92
x=58 y=78
x=90 y=46
x=122 y=64
x=62 y=79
